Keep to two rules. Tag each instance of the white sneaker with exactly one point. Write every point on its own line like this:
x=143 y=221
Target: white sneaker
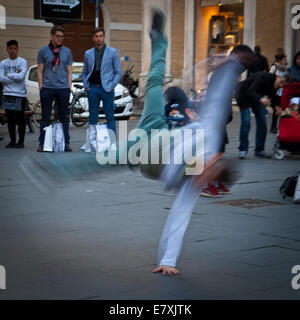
x=243 y=154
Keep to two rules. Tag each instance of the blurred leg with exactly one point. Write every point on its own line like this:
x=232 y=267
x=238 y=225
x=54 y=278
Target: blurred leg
x=94 y=104
x=108 y=106
x=20 y=120
x=244 y=129
x=62 y=99
x=11 y=124
x=261 y=127
x=47 y=98
x=153 y=116
x=176 y=224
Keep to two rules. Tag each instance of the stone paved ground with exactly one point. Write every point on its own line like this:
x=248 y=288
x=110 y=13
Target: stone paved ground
x=95 y=236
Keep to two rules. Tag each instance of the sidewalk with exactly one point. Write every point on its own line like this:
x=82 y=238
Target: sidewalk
x=96 y=237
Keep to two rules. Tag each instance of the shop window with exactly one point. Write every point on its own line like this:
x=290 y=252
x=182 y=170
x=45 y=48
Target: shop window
x=225 y=29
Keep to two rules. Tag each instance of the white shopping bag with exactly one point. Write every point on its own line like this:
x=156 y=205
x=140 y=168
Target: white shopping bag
x=58 y=137
x=297 y=191
x=48 y=142
x=87 y=146
x=97 y=139
x=103 y=140
x=91 y=139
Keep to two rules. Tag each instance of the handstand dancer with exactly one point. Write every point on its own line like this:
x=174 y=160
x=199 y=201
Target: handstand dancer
x=212 y=118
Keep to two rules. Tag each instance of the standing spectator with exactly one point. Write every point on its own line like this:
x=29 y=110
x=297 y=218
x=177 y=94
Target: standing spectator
x=101 y=73
x=293 y=74
x=261 y=64
x=55 y=82
x=279 y=52
x=253 y=93
x=279 y=68
x=12 y=76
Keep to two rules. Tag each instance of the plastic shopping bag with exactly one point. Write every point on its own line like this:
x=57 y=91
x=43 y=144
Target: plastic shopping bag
x=91 y=139
x=103 y=140
x=87 y=146
x=48 y=142
x=58 y=138
x=97 y=138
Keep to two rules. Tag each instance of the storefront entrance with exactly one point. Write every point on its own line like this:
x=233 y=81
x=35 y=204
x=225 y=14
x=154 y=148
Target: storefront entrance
x=219 y=27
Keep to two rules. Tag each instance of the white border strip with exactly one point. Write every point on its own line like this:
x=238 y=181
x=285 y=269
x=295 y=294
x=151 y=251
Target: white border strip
x=13 y=21
x=125 y=26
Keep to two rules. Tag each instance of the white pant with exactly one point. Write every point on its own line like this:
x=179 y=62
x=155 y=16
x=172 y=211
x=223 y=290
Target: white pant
x=176 y=224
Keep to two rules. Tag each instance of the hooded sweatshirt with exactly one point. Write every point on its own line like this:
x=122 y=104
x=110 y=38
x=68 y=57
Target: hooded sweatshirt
x=13 y=81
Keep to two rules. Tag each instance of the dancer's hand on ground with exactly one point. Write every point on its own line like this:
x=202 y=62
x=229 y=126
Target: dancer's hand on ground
x=167 y=270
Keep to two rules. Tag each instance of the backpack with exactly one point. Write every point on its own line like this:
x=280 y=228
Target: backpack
x=288 y=187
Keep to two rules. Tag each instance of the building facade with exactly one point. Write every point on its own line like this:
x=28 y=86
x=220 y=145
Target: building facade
x=121 y=19
x=196 y=29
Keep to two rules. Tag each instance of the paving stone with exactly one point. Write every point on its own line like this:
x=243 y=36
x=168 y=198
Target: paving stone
x=94 y=236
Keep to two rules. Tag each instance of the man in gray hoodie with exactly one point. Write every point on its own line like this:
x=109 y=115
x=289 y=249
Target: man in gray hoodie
x=12 y=76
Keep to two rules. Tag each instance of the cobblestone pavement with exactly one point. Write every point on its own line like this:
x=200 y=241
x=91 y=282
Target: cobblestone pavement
x=96 y=236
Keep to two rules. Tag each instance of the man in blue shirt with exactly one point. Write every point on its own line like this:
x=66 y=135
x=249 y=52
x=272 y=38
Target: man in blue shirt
x=101 y=73
x=55 y=81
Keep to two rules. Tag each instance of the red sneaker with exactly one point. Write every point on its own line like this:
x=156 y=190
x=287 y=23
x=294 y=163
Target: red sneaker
x=222 y=189
x=211 y=191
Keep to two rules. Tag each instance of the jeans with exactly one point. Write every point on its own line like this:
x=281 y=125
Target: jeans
x=259 y=111
x=61 y=98
x=95 y=95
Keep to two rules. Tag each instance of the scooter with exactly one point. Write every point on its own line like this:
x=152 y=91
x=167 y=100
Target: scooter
x=131 y=84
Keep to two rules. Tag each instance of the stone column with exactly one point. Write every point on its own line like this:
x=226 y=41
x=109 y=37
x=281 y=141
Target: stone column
x=189 y=44
x=166 y=5
x=249 y=23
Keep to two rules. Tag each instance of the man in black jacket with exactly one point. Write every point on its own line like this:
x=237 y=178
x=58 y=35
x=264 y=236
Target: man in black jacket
x=261 y=63
x=257 y=92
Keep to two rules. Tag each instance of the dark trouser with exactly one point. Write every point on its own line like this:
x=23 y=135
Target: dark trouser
x=95 y=95
x=14 y=118
x=61 y=97
x=261 y=127
x=274 y=120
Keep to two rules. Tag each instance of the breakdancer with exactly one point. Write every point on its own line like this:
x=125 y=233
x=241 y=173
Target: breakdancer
x=212 y=118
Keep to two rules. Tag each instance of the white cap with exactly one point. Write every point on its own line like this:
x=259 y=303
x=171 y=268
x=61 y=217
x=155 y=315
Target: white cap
x=295 y=100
